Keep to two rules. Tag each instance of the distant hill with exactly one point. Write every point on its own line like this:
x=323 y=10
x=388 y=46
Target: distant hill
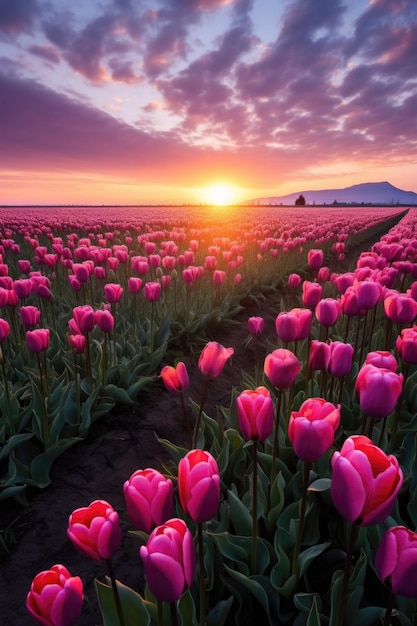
x=364 y=193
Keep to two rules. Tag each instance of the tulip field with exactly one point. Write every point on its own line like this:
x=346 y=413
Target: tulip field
x=294 y=503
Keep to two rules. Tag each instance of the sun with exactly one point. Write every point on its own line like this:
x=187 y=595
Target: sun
x=220 y=194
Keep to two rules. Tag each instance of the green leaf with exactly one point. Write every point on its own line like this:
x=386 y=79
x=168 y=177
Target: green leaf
x=239 y=515
x=307 y=556
x=254 y=587
x=314 y=615
x=118 y=394
x=134 y=608
x=321 y=484
x=41 y=465
x=219 y=613
x=186 y=609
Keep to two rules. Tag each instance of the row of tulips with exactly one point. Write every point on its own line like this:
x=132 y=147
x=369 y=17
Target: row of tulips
x=88 y=308
x=293 y=505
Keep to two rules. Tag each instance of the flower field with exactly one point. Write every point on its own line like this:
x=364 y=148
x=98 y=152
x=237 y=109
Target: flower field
x=295 y=479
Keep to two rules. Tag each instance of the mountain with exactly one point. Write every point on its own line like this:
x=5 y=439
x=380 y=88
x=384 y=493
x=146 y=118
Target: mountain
x=364 y=193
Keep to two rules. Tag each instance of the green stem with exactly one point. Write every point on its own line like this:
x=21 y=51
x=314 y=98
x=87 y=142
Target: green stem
x=390 y=605
x=187 y=422
x=200 y=413
x=160 y=613
x=116 y=593
x=174 y=615
x=300 y=531
x=276 y=437
x=45 y=433
x=397 y=413
x=346 y=575
x=202 y=574
x=254 y=507
x=10 y=421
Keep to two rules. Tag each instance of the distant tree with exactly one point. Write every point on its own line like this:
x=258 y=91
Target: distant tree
x=301 y=201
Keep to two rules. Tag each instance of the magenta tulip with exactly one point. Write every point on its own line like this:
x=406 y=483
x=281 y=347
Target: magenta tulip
x=149 y=498
x=382 y=358
x=55 y=597
x=134 y=284
x=365 y=481
x=30 y=316
x=378 y=390
x=341 y=355
x=328 y=311
x=77 y=343
x=287 y=326
x=294 y=281
x=84 y=317
x=104 y=320
x=319 y=356
x=95 y=530
x=113 y=292
x=4 y=329
x=255 y=413
x=199 y=485
x=213 y=358
x=23 y=288
x=38 y=340
x=406 y=345
x=312 y=428
x=315 y=258
x=282 y=368
x=312 y=293
x=396 y=561
x=153 y=291
x=176 y=378
x=400 y=308
x=169 y=560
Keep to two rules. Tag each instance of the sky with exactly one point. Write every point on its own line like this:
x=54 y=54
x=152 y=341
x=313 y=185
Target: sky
x=190 y=101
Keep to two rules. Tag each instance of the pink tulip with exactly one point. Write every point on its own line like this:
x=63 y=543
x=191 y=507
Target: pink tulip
x=400 y=308
x=4 y=329
x=341 y=355
x=169 y=560
x=286 y=326
x=312 y=428
x=350 y=303
x=319 y=357
x=218 y=277
x=315 y=258
x=213 y=358
x=77 y=343
x=113 y=292
x=378 y=390
x=199 y=485
x=396 y=561
x=84 y=317
x=4 y=297
x=23 y=288
x=312 y=293
x=24 y=266
x=149 y=499
x=134 y=284
x=175 y=378
x=282 y=368
x=38 y=340
x=95 y=530
x=30 y=316
x=406 y=345
x=294 y=281
x=55 y=597
x=153 y=291
x=327 y=311
x=104 y=320
x=382 y=358
x=81 y=271
x=255 y=413
x=369 y=293
x=256 y=325
x=365 y=481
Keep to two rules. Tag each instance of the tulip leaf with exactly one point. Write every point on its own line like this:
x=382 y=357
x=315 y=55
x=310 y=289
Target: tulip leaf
x=41 y=464
x=240 y=517
x=219 y=613
x=314 y=615
x=321 y=484
x=369 y=615
x=307 y=556
x=251 y=584
x=134 y=608
x=118 y=394
x=186 y=609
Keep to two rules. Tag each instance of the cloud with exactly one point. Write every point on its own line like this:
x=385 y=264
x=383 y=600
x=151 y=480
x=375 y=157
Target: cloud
x=17 y=16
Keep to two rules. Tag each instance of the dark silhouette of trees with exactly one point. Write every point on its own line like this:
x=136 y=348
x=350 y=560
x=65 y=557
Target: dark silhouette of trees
x=301 y=201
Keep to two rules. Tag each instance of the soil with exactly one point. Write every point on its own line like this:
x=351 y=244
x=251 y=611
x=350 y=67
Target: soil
x=118 y=444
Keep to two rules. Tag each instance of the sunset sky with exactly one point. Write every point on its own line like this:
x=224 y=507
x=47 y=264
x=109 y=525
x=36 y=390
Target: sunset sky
x=128 y=101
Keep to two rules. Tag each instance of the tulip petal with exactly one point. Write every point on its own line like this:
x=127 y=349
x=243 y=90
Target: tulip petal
x=347 y=489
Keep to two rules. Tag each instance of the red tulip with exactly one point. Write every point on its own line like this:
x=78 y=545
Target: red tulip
x=396 y=561
x=149 y=499
x=213 y=358
x=95 y=530
x=282 y=368
x=199 y=485
x=55 y=597
x=365 y=481
x=175 y=378
x=169 y=560
x=38 y=340
x=255 y=413
x=312 y=428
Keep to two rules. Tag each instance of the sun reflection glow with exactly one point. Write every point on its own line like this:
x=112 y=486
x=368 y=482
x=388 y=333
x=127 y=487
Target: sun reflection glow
x=220 y=194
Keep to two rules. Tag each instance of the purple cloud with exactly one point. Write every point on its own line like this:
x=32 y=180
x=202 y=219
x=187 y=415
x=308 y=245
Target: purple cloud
x=17 y=16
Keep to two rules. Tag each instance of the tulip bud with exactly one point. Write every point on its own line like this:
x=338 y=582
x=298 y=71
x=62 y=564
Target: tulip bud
x=55 y=597
x=396 y=561
x=311 y=430
x=255 y=413
x=378 y=390
x=213 y=358
x=38 y=340
x=149 y=499
x=95 y=530
x=199 y=485
x=175 y=378
x=282 y=368
x=256 y=325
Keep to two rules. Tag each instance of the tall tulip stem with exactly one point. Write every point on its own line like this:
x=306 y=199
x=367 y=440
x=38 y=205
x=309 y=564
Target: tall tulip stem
x=346 y=575
x=388 y=611
x=254 y=506
x=202 y=574
x=174 y=614
x=276 y=438
x=300 y=531
x=397 y=413
x=116 y=593
x=200 y=413
x=187 y=423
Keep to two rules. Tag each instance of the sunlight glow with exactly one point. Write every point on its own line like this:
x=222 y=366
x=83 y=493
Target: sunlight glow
x=220 y=194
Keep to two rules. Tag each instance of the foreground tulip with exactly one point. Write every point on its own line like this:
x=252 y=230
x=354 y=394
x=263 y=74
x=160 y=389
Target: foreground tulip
x=113 y=292
x=175 y=378
x=199 y=485
x=213 y=358
x=382 y=358
x=365 y=481
x=378 y=390
x=311 y=430
x=255 y=413
x=95 y=530
x=55 y=597
x=149 y=499
x=282 y=368
x=396 y=561
x=406 y=345
x=169 y=560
